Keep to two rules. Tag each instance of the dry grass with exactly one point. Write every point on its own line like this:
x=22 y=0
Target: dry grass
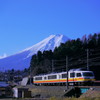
x=55 y=98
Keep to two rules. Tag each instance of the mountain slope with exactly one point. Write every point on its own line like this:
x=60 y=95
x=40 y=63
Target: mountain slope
x=22 y=59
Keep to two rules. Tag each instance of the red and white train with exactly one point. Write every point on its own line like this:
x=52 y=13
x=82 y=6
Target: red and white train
x=77 y=77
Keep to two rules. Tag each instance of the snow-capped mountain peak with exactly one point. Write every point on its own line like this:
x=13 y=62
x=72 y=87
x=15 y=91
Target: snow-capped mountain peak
x=22 y=59
x=47 y=44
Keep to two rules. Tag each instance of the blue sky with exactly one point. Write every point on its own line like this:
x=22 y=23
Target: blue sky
x=24 y=23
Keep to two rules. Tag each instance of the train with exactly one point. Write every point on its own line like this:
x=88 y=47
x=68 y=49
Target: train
x=73 y=77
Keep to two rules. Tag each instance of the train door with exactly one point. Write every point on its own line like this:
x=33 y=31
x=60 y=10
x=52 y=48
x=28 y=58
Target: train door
x=71 y=78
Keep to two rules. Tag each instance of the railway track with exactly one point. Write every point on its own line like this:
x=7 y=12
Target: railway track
x=87 y=86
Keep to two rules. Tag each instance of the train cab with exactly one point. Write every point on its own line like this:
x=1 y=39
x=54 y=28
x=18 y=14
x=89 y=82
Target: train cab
x=84 y=77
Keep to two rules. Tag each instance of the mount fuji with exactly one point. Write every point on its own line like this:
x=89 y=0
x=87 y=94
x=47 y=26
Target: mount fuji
x=21 y=60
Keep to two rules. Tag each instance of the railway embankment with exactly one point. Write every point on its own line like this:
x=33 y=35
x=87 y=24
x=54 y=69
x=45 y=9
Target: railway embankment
x=60 y=91
x=45 y=91
x=93 y=92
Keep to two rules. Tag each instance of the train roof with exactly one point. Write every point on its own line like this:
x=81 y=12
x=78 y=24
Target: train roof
x=79 y=69
x=64 y=72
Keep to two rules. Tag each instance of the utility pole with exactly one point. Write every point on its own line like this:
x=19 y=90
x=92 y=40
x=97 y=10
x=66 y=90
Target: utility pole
x=67 y=71
x=30 y=75
x=87 y=59
x=52 y=66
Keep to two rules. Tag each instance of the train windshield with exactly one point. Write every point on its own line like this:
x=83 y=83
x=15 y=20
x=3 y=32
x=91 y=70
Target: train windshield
x=88 y=74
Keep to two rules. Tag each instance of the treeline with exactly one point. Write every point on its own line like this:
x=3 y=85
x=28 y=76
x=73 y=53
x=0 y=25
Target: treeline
x=76 y=50
x=13 y=75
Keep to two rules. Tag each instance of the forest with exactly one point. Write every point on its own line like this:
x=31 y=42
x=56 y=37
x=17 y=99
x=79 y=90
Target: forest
x=77 y=51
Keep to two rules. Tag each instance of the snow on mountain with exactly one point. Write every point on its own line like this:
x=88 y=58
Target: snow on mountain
x=22 y=59
x=3 y=56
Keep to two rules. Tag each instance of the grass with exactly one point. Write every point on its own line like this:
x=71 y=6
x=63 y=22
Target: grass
x=55 y=98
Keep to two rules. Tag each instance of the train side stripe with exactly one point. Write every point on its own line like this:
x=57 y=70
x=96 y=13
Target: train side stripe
x=63 y=80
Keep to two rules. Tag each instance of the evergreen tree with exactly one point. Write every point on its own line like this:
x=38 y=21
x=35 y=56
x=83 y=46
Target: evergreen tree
x=74 y=49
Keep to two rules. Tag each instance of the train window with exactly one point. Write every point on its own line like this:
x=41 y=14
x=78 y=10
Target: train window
x=87 y=74
x=52 y=77
x=78 y=74
x=38 y=78
x=64 y=75
x=72 y=74
x=45 y=78
x=59 y=76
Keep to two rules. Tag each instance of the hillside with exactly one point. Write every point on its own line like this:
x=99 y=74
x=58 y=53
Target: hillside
x=21 y=60
x=80 y=52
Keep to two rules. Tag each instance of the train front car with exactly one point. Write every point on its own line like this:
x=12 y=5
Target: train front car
x=88 y=77
x=84 y=78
